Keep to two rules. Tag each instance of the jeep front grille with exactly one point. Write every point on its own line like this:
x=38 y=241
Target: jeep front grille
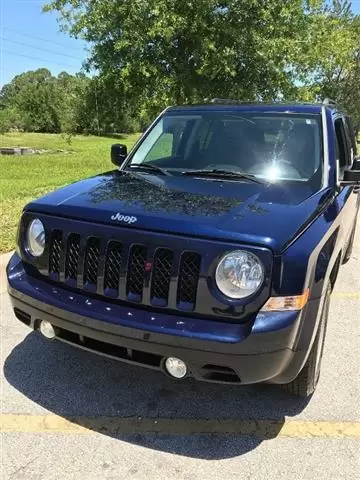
x=158 y=277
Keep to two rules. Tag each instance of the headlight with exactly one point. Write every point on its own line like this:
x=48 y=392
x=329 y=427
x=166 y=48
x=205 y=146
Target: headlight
x=36 y=238
x=239 y=274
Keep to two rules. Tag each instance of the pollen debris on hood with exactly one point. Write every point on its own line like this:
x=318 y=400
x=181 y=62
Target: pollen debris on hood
x=156 y=197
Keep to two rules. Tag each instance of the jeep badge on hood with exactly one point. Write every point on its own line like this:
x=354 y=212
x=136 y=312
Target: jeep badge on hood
x=122 y=218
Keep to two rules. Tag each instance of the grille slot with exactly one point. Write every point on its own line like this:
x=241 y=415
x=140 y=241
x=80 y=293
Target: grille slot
x=92 y=261
x=72 y=256
x=188 y=279
x=56 y=249
x=112 y=265
x=136 y=271
x=160 y=283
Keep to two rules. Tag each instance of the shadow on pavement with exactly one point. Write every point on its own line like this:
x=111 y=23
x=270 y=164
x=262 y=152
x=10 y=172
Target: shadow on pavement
x=126 y=402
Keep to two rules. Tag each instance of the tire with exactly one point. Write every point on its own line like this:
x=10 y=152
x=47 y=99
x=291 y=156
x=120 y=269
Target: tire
x=305 y=383
x=350 y=246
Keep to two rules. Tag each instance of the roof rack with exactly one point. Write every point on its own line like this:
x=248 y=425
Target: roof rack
x=329 y=101
x=326 y=101
x=230 y=101
x=227 y=100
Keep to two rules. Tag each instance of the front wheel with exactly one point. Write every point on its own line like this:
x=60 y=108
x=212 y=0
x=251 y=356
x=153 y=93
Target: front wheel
x=305 y=383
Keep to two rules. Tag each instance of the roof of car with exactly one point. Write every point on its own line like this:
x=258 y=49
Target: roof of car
x=305 y=108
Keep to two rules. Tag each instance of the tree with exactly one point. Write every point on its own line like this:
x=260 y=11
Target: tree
x=71 y=91
x=154 y=53
x=149 y=54
x=339 y=76
x=33 y=94
x=162 y=51
x=37 y=101
x=329 y=63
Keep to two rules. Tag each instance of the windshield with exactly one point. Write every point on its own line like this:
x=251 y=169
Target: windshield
x=272 y=146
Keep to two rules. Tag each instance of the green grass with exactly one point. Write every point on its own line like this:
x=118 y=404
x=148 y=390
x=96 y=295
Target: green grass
x=24 y=178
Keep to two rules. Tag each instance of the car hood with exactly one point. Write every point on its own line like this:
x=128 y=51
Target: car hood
x=262 y=214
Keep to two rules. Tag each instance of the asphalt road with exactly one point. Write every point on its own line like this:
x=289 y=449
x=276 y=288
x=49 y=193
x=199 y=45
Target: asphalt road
x=69 y=414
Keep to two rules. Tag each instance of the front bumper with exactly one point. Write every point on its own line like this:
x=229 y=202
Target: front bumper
x=264 y=350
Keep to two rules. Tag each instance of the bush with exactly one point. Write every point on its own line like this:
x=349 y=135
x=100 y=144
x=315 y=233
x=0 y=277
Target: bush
x=11 y=119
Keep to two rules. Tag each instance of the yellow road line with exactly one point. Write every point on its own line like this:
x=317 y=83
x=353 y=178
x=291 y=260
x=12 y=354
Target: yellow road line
x=355 y=295
x=11 y=423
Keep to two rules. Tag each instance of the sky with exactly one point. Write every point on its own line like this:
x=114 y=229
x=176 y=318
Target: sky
x=30 y=39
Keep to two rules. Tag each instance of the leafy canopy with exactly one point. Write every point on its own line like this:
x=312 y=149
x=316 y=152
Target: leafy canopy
x=157 y=52
x=149 y=54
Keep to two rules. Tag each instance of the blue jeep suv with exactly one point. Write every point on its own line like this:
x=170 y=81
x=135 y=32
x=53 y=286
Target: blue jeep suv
x=211 y=251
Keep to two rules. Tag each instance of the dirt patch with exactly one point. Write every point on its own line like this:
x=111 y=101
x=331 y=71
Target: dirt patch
x=30 y=151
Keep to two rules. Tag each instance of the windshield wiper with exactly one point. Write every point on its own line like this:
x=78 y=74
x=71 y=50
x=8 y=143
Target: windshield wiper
x=147 y=166
x=217 y=173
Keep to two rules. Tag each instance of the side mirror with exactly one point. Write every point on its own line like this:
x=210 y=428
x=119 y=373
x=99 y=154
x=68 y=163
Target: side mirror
x=118 y=154
x=356 y=164
x=351 y=178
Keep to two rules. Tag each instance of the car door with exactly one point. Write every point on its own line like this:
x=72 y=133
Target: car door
x=347 y=196
x=351 y=140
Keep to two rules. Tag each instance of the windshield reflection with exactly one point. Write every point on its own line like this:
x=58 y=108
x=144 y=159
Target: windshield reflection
x=274 y=147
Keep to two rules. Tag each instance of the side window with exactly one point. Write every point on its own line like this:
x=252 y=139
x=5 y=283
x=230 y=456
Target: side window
x=342 y=146
x=351 y=133
x=162 y=148
x=167 y=144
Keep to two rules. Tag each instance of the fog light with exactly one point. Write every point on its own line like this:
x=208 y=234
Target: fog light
x=176 y=367
x=47 y=329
